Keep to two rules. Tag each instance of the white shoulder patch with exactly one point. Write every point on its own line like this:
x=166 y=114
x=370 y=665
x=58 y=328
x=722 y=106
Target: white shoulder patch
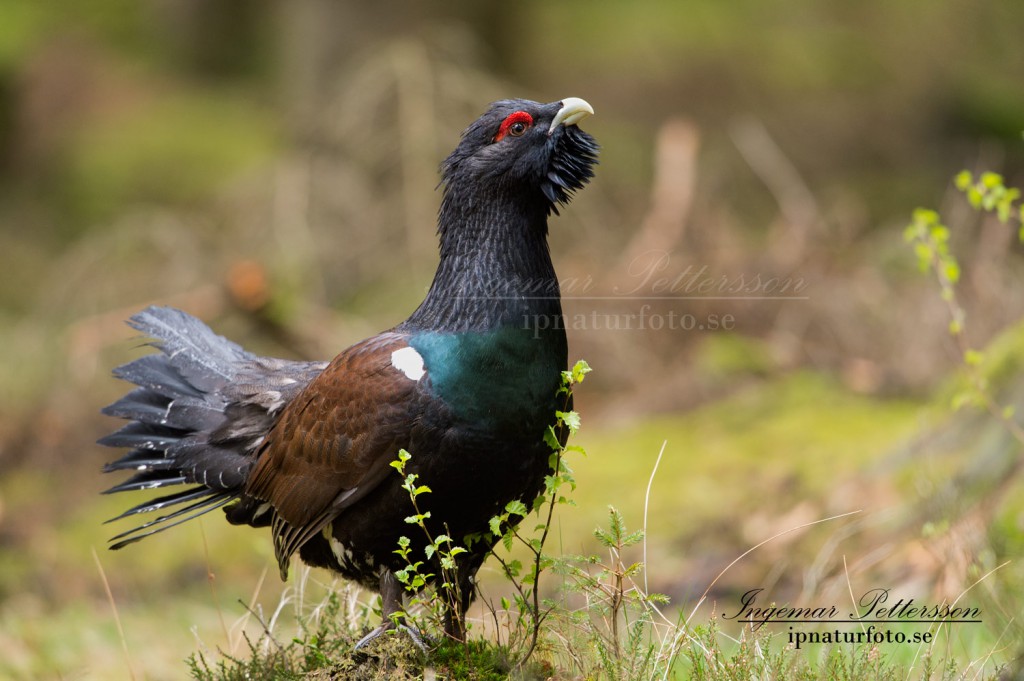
x=409 y=362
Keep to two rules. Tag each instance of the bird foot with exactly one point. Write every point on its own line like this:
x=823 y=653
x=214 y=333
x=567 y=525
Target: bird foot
x=417 y=638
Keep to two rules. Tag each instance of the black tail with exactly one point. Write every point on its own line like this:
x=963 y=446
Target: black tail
x=202 y=408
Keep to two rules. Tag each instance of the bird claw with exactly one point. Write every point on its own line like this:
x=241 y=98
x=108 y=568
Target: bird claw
x=418 y=639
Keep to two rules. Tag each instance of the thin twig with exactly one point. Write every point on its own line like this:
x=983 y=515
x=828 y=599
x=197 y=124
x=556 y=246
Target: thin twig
x=242 y=621
x=117 y=617
x=849 y=586
x=647 y=500
x=259 y=618
x=211 y=579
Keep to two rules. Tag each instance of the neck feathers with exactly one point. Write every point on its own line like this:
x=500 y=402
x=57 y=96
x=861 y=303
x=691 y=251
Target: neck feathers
x=495 y=270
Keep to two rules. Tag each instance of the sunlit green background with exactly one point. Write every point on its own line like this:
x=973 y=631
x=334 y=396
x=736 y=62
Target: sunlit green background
x=270 y=166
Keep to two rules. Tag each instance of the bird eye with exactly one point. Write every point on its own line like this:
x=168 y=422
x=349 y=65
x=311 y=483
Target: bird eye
x=515 y=124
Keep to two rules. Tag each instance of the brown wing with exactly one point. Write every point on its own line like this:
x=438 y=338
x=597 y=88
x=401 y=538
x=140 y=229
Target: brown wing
x=333 y=444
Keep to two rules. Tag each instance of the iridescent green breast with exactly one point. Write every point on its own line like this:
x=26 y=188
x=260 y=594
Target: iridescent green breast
x=500 y=380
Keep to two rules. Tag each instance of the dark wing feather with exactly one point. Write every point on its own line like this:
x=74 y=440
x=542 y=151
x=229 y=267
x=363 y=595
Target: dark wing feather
x=333 y=444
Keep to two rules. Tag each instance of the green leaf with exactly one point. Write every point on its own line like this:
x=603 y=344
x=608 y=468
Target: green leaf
x=422 y=489
x=516 y=507
x=991 y=180
x=939 y=232
x=963 y=180
x=428 y=550
x=551 y=439
x=633 y=569
x=926 y=216
x=973 y=357
x=633 y=538
x=571 y=419
x=952 y=270
x=495 y=525
x=924 y=254
x=1005 y=206
x=579 y=370
x=604 y=537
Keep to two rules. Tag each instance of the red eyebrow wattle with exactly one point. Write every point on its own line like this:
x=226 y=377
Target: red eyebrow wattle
x=517 y=117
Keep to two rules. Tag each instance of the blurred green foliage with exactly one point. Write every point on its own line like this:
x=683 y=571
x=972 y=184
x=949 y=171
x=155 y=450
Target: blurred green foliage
x=179 y=149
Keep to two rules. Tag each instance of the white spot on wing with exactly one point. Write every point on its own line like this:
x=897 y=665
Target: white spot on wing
x=409 y=362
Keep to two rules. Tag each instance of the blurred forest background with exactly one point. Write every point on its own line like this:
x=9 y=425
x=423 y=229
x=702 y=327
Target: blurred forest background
x=270 y=166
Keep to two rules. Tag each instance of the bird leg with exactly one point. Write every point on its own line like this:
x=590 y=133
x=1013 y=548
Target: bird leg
x=455 y=613
x=391 y=612
x=455 y=624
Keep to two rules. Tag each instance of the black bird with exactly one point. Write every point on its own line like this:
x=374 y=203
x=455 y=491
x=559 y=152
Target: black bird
x=467 y=384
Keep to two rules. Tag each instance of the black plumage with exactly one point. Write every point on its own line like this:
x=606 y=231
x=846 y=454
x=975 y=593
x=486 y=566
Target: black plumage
x=467 y=384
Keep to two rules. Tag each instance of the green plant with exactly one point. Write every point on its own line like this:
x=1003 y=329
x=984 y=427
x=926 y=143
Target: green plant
x=448 y=597
x=930 y=240
x=618 y=620
x=441 y=550
x=529 y=611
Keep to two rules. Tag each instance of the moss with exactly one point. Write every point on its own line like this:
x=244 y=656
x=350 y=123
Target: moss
x=729 y=355
x=804 y=430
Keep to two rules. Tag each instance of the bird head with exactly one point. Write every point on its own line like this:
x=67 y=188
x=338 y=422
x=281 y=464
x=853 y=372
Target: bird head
x=526 y=149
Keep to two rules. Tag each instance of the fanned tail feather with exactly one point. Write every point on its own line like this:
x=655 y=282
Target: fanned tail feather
x=201 y=409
